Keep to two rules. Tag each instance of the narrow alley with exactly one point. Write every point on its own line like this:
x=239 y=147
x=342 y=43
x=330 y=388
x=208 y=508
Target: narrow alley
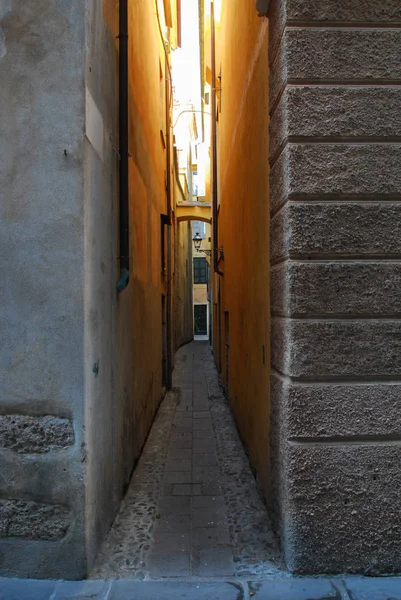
x=200 y=291
x=193 y=507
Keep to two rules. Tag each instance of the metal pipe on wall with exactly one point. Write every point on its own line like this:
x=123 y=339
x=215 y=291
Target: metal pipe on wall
x=123 y=143
x=214 y=146
x=169 y=382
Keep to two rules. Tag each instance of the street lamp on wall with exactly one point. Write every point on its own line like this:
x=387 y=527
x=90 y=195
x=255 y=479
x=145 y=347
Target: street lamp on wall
x=197 y=240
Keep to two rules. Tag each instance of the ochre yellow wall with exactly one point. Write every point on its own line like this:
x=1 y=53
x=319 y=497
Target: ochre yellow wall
x=182 y=278
x=244 y=224
x=200 y=293
x=138 y=321
x=139 y=344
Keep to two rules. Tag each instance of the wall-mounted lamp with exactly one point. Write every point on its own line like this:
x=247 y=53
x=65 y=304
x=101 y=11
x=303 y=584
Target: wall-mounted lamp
x=197 y=240
x=262 y=7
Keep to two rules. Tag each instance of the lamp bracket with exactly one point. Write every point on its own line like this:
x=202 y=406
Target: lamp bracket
x=209 y=252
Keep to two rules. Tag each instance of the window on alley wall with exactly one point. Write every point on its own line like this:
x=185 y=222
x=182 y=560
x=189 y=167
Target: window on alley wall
x=200 y=270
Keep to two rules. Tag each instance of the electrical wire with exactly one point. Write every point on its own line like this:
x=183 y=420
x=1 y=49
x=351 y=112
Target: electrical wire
x=204 y=112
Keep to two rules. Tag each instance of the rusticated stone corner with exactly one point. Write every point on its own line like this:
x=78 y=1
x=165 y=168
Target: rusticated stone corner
x=33 y=521
x=25 y=434
x=330 y=169
x=322 y=348
x=333 y=289
x=282 y=12
x=344 y=55
x=386 y=11
x=323 y=412
x=343 y=513
x=336 y=111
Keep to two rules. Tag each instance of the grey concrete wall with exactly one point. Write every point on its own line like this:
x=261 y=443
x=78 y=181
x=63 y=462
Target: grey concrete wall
x=80 y=365
x=61 y=483
x=42 y=108
x=103 y=408
x=335 y=158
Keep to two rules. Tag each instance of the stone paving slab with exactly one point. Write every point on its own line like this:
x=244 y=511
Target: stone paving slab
x=296 y=589
x=127 y=590
x=379 y=588
x=281 y=588
x=26 y=589
x=81 y=590
x=212 y=561
x=170 y=523
x=175 y=505
x=173 y=564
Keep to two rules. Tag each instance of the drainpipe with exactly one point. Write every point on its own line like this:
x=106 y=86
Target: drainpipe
x=169 y=358
x=123 y=135
x=214 y=147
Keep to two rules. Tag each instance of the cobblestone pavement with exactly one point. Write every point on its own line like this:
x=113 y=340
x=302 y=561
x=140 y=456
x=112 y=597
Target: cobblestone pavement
x=193 y=508
x=349 y=588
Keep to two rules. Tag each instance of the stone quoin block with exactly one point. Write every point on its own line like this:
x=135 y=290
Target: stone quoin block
x=26 y=434
x=361 y=112
x=343 y=508
x=34 y=521
x=343 y=11
x=36 y=490
x=340 y=228
x=48 y=478
x=319 y=349
x=307 y=54
x=336 y=288
x=335 y=184
x=337 y=410
x=368 y=11
x=336 y=170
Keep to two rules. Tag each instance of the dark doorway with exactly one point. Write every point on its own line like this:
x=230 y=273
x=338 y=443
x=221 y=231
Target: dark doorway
x=200 y=319
x=227 y=340
x=164 y=341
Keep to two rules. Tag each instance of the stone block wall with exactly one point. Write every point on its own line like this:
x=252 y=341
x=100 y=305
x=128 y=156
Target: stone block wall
x=42 y=457
x=335 y=179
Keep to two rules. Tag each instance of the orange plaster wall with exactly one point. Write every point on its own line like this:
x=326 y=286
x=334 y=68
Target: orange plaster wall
x=244 y=225
x=136 y=314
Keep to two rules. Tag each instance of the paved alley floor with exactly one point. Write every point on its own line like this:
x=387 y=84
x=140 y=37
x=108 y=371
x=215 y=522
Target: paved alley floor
x=192 y=525
x=290 y=588
x=193 y=508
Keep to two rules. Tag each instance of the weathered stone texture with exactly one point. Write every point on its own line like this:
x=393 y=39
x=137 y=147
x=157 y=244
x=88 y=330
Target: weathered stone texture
x=367 y=11
x=43 y=219
x=324 y=411
x=335 y=188
x=336 y=229
x=336 y=288
x=361 y=112
x=336 y=55
x=343 y=508
x=320 y=349
x=34 y=521
x=342 y=11
x=26 y=434
x=336 y=170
